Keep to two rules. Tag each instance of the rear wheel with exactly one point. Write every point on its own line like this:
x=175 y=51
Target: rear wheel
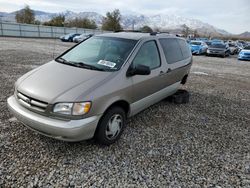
x=111 y=126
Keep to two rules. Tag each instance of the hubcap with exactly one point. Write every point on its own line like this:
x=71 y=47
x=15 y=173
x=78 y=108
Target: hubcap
x=114 y=126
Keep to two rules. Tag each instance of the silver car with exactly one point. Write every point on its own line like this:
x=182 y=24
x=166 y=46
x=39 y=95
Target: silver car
x=90 y=90
x=82 y=37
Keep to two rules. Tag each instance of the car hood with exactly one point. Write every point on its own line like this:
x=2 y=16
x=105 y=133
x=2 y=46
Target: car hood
x=245 y=51
x=55 y=82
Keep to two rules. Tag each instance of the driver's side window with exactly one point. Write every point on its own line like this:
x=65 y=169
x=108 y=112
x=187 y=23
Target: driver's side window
x=148 y=55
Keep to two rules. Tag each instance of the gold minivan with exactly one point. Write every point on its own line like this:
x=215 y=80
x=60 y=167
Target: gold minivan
x=91 y=89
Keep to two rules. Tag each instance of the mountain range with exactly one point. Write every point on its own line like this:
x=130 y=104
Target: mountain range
x=134 y=20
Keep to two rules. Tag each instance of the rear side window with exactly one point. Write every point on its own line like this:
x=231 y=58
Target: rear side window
x=186 y=52
x=171 y=50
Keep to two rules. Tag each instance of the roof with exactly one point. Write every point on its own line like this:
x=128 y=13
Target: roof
x=130 y=35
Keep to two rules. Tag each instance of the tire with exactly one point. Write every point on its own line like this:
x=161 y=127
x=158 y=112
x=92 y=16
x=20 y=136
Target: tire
x=181 y=97
x=104 y=135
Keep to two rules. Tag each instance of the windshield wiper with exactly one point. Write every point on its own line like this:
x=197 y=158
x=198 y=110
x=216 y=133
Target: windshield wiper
x=87 y=66
x=78 y=64
x=64 y=61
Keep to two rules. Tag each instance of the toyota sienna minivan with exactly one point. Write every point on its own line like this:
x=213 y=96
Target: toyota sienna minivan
x=91 y=89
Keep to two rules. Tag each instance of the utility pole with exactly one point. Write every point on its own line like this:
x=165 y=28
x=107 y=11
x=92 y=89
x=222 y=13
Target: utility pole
x=1 y=24
x=133 y=25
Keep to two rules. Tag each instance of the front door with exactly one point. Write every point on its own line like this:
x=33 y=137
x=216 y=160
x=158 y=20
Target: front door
x=145 y=86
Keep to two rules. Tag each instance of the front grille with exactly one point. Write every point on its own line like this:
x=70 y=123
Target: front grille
x=31 y=103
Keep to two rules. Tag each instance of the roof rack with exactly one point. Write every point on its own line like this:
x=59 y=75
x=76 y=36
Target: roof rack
x=138 y=31
x=157 y=33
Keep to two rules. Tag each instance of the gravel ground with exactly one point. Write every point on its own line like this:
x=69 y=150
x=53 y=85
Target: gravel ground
x=201 y=144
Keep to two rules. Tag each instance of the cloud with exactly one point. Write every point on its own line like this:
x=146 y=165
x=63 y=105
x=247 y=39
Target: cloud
x=233 y=16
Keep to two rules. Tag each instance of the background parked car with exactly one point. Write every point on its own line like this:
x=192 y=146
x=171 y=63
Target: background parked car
x=69 y=37
x=218 y=49
x=244 y=54
x=82 y=37
x=208 y=43
x=217 y=41
x=233 y=48
x=243 y=43
x=198 y=47
x=240 y=46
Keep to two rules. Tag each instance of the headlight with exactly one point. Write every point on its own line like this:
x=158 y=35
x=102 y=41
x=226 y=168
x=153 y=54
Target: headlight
x=208 y=51
x=72 y=108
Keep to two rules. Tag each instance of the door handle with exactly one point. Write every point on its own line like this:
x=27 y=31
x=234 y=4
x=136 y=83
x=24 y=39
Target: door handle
x=161 y=73
x=169 y=70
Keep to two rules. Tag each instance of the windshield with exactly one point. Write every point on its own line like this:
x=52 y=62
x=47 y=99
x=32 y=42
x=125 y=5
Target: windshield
x=218 y=46
x=196 y=43
x=247 y=48
x=101 y=53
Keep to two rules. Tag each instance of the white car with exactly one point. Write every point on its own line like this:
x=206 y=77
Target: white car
x=82 y=37
x=233 y=48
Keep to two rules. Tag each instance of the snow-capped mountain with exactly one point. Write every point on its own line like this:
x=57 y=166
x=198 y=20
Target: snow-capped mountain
x=129 y=21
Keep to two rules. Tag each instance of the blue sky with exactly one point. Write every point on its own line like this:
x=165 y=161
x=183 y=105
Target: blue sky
x=231 y=15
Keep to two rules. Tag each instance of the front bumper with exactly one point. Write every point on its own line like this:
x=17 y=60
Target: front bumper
x=70 y=130
x=244 y=57
x=195 y=51
x=216 y=53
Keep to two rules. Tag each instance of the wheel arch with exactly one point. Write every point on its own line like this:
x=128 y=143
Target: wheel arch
x=120 y=103
x=184 y=79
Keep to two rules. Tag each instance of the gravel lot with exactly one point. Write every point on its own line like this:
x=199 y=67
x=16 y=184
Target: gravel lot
x=201 y=144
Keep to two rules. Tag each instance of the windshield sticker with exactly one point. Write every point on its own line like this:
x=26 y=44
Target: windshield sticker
x=106 y=63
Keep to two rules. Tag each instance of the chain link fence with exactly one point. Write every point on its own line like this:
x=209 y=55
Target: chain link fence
x=41 y=31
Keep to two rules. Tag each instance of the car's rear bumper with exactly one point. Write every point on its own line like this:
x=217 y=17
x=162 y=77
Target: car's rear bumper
x=70 y=130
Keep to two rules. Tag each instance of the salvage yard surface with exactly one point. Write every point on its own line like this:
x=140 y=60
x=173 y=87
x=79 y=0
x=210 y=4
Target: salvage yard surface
x=205 y=143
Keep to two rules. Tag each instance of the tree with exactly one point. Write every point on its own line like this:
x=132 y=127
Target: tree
x=185 y=30
x=146 y=29
x=82 y=23
x=37 y=22
x=112 y=21
x=196 y=33
x=56 y=21
x=25 y=15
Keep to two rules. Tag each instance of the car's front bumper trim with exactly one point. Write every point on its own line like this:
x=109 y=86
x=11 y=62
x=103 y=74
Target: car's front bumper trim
x=70 y=130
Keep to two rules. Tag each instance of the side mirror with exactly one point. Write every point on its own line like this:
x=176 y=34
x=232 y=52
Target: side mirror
x=138 y=70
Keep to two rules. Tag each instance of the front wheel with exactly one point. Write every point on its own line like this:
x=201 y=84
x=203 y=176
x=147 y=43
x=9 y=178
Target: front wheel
x=111 y=126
